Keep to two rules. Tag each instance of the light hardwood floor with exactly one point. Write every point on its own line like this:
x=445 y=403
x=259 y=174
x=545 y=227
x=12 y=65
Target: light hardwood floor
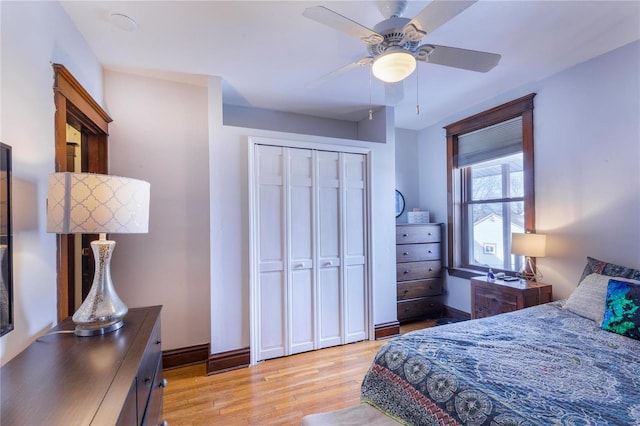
x=275 y=392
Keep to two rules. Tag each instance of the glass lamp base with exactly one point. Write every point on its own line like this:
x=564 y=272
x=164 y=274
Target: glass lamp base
x=102 y=311
x=87 y=332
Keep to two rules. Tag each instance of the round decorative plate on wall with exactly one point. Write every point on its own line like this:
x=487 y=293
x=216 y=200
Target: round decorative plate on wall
x=399 y=203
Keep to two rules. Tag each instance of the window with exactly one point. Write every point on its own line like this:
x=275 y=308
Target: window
x=490 y=168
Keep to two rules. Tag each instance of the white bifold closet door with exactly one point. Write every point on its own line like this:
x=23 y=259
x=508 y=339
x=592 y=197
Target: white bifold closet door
x=312 y=259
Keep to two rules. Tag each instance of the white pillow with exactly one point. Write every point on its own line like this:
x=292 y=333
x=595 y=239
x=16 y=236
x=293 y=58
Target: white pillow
x=588 y=299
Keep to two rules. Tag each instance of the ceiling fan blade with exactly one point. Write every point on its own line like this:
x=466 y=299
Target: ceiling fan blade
x=433 y=16
x=472 y=60
x=342 y=70
x=342 y=23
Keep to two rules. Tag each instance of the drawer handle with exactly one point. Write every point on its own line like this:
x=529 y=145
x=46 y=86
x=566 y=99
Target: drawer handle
x=147 y=380
x=329 y=263
x=164 y=383
x=405 y=235
x=429 y=251
x=430 y=269
x=405 y=272
x=158 y=342
x=406 y=253
x=429 y=233
x=300 y=265
x=164 y=423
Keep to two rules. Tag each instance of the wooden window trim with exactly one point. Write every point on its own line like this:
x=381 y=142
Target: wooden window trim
x=74 y=103
x=519 y=107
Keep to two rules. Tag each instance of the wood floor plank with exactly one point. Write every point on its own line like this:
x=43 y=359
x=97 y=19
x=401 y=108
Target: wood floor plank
x=275 y=392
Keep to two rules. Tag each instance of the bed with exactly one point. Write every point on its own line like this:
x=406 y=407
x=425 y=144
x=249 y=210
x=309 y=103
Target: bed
x=546 y=365
x=549 y=364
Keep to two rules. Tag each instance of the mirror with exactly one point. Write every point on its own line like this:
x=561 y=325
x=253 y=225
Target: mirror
x=6 y=272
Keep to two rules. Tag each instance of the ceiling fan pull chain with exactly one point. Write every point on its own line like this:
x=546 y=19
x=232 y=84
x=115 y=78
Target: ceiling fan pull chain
x=417 y=92
x=370 y=104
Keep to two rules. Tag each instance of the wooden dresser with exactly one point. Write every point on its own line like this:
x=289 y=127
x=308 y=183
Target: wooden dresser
x=418 y=271
x=490 y=298
x=63 y=379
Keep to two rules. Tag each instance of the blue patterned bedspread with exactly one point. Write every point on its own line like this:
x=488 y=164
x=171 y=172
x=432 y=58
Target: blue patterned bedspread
x=538 y=366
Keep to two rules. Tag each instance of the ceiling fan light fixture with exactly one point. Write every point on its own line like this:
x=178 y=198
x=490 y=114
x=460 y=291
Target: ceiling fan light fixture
x=394 y=66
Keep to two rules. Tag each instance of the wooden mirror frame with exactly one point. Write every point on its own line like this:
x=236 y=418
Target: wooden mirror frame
x=76 y=106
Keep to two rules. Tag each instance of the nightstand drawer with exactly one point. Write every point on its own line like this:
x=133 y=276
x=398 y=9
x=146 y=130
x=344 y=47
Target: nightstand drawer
x=489 y=304
x=407 y=234
x=492 y=297
x=418 y=270
x=417 y=252
x=422 y=288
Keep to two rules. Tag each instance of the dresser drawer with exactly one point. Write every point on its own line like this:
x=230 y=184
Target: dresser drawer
x=420 y=308
x=421 y=288
x=147 y=370
x=153 y=411
x=418 y=270
x=417 y=252
x=407 y=234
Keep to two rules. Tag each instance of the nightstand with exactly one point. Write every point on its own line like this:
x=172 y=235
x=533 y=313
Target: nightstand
x=496 y=297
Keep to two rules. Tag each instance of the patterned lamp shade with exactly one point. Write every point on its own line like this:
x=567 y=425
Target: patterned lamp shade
x=85 y=203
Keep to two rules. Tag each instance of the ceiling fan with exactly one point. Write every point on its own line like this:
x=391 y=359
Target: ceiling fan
x=394 y=43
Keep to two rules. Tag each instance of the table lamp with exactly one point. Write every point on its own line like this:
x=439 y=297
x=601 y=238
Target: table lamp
x=529 y=245
x=85 y=203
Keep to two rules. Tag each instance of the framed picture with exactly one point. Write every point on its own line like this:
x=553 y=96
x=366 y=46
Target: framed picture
x=488 y=248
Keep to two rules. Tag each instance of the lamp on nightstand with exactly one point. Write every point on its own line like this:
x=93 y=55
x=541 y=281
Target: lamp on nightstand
x=529 y=245
x=84 y=203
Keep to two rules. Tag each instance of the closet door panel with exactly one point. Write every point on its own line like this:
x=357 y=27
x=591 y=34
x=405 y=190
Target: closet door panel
x=271 y=254
x=329 y=307
x=272 y=317
x=355 y=247
x=300 y=243
x=301 y=311
x=328 y=243
x=271 y=227
x=356 y=327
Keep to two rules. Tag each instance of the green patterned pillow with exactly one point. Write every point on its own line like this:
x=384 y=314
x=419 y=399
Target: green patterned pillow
x=622 y=309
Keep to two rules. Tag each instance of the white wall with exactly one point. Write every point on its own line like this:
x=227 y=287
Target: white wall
x=33 y=35
x=408 y=170
x=230 y=227
x=160 y=134
x=587 y=151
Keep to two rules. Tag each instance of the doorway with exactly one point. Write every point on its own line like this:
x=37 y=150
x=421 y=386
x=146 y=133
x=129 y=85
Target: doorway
x=80 y=118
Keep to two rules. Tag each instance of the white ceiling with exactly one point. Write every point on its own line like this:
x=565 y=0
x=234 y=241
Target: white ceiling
x=267 y=53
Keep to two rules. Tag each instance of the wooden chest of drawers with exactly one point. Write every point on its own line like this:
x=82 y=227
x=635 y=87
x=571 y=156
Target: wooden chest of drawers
x=418 y=271
x=63 y=379
x=490 y=298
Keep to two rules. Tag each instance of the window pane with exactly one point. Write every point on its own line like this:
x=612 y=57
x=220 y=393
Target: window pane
x=490 y=179
x=491 y=226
